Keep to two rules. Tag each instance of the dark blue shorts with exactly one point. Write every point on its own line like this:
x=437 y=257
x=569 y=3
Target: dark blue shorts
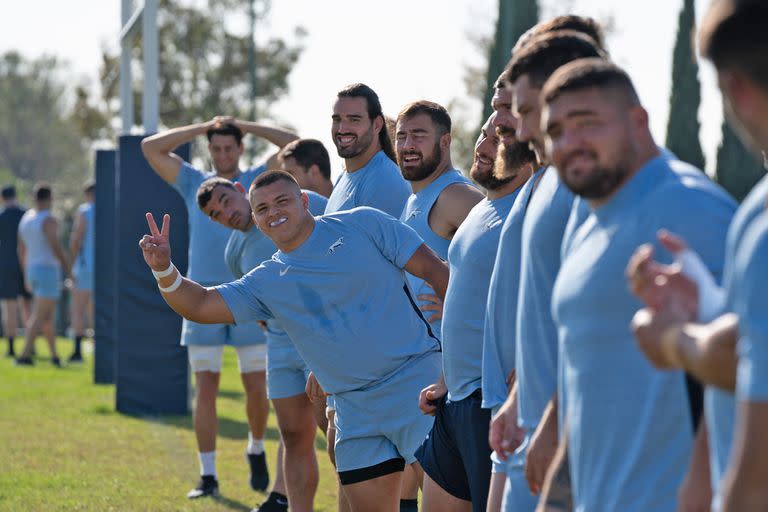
x=12 y=282
x=456 y=454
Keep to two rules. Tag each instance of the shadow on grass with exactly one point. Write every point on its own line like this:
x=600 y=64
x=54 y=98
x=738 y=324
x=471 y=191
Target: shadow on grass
x=233 y=504
x=234 y=395
x=228 y=428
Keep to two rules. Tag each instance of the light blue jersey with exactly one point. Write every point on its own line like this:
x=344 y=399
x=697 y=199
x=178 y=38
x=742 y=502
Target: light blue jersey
x=629 y=425
x=84 y=260
x=416 y=214
x=341 y=292
x=207 y=239
x=500 y=317
x=720 y=405
x=470 y=256
x=377 y=184
x=536 y=356
x=750 y=277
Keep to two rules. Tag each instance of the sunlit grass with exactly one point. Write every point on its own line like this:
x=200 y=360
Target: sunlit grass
x=64 y=447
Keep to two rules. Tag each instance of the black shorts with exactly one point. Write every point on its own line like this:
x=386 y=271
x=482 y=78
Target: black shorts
x=12 y=282
x=456 y=454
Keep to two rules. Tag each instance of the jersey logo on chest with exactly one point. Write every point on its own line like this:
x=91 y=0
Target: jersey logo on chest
x=335 y=245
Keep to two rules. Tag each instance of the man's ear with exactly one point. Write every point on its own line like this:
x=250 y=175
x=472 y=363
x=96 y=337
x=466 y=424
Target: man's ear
x=378 y=124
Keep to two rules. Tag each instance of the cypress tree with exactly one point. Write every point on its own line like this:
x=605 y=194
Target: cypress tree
x=737 y=169
x=683 y=124
x=515 y=17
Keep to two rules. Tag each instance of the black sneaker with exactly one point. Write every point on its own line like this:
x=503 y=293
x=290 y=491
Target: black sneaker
x=77 y=357
x=207 y=486
x=275 y=503
x=56 y=362
x=24 y=361
x=259 y=471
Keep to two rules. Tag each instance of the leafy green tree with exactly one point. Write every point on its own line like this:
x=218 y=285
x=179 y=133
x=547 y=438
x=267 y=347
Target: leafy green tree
x=204 y=64
x=38 y=141
x=737 y=169
x=683 y=124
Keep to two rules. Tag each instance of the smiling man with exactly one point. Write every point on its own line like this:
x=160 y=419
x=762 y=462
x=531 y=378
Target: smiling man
x=442 y=197
x=206 y=265
x=336 y=285
x=630 y=427
x=226 y=203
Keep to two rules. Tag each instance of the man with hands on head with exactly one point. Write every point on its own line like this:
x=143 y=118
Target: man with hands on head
x=336 y=283
x=206 y=265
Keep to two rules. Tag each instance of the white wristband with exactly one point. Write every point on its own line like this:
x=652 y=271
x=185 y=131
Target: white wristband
x=164 y=273
x=711 y=295
x=173 y=287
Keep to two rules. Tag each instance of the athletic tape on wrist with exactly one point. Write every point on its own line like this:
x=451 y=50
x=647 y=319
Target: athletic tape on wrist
x=173 y=287
x=711 y=296
x=164 y=273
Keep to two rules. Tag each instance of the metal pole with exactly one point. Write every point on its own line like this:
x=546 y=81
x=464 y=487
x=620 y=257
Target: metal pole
x=150 y=98
x=126 y=94
x=252 y=69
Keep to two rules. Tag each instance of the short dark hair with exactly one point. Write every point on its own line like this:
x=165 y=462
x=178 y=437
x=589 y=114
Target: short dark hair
x=308 y=152
x=501 y=81
x=90 y=187
x=225 y=129
x=42 y=191
x=9 y=192
x=587 y=73
x=545 y=53
x=206 y=188
x=267 y=178
x=437 y=114
x=373 y=107
x=582 y=24
x=734 y=34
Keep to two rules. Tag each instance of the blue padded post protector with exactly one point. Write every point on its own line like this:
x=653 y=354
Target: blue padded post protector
x=104 y=274
x=152 y=368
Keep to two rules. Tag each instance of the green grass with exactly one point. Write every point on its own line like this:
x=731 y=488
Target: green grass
x=64 y=447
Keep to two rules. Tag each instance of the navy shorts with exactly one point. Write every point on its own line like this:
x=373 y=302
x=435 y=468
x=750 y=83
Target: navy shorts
x=12 y=282
x=456 y=454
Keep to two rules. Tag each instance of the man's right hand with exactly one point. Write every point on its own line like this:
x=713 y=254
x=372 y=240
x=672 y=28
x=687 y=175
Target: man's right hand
x=430 y=396
x=504 y=435
x=156 y=247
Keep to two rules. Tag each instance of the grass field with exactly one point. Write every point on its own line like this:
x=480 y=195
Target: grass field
x=64 y=447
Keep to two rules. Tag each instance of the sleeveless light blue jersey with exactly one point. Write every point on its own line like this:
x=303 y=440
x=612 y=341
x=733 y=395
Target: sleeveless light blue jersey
x=416 y=215
x=536 y=335
x=207 y=239
x=84 y=260
x=470 y=256
x=246 y=250
x=500 y=317
x=341 y=298
x=630 y=427
x=38 y=250
x=377 y=184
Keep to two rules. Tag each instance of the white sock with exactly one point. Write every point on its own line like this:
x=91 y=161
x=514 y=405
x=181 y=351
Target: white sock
x=208 y=463
x=255 y=446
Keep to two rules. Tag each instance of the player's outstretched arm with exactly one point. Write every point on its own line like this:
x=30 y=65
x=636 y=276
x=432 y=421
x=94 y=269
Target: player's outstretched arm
x=186 y=297
x=158 y=148
x=428 y=266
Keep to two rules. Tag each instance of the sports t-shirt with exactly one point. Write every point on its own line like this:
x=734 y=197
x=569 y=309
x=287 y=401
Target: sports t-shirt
x=416 y=214
x=207 y=239
x=342 y=299
x=536 y=355
x=470 y=256
x=377 y=184
x=500 y=316
x=629 y=425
